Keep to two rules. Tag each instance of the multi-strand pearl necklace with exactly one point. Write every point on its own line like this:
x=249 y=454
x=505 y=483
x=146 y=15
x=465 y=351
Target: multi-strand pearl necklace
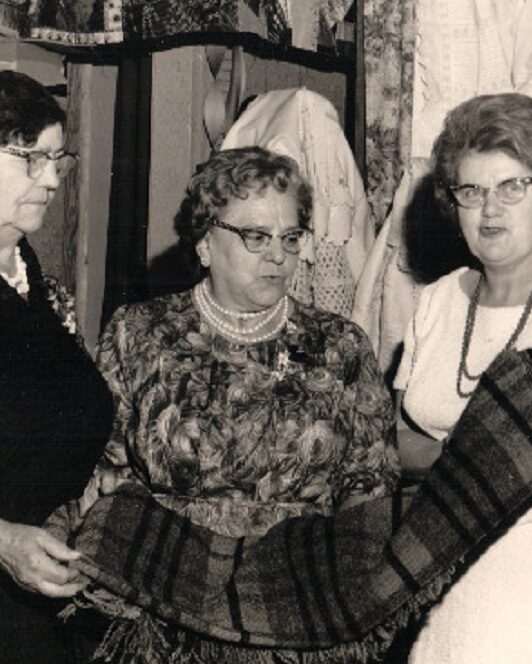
x=208 y=306
x=20 y=280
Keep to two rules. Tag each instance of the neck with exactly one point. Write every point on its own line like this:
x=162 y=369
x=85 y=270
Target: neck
x=505 y=288
x=247 y=327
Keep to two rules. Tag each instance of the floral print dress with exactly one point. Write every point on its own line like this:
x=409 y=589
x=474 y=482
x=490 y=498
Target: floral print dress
x=240 y=437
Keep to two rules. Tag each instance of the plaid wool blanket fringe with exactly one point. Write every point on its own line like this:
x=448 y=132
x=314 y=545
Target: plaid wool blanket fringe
x=314 y=589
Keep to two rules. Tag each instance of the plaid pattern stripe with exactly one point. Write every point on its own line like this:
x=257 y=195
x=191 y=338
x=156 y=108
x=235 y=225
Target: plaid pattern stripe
x=341 y=584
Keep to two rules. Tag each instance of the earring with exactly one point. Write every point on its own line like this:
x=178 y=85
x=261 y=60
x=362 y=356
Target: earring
x=203 y=256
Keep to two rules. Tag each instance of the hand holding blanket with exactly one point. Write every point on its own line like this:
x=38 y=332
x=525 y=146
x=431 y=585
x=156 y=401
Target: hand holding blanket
x=325 y=589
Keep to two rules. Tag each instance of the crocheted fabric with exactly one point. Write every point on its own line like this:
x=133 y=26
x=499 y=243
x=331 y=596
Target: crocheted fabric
x=320 y=589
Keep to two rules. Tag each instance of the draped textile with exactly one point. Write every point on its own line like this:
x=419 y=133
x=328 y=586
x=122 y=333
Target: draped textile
x=91 y=22
x=389 y=37
x=304 y=125
x=347 y=584
x=464 y=50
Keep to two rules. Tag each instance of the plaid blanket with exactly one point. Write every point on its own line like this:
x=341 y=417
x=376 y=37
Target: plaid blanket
x=313 y=589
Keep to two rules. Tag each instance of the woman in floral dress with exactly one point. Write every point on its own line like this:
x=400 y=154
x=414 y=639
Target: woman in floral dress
x=236 y=405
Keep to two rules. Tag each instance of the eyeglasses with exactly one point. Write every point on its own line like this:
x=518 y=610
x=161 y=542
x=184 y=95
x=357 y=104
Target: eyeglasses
x=36 y=160
x=257 y=241
x=509 y=192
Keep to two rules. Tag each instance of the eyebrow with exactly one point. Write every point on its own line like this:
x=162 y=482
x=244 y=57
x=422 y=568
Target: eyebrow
x=264 y=229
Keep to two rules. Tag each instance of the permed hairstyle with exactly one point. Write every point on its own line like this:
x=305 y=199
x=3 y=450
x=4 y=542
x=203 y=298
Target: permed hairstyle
x=26 y=109
x=501 y=122
x=231 y=174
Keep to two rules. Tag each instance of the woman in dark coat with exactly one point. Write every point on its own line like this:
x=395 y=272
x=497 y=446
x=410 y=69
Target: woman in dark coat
x=55 y=410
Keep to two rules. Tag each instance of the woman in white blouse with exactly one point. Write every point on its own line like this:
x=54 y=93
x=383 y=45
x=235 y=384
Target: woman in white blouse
x=482 y=172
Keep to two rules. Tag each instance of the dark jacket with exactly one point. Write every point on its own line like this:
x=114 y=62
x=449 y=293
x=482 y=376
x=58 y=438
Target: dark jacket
x=55 y=418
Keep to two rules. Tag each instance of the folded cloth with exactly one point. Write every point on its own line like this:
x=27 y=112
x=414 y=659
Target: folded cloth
x=332 y=589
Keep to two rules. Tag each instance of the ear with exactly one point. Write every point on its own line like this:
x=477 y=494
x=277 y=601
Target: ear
x=204 y=254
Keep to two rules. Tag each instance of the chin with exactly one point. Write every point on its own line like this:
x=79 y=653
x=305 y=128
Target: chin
x=30 y=224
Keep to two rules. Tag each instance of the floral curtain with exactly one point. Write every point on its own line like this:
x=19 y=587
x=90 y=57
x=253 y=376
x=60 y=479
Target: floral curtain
x=389 y=37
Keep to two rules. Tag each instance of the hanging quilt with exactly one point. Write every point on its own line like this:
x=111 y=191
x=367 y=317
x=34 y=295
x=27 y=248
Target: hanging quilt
x=93 y=22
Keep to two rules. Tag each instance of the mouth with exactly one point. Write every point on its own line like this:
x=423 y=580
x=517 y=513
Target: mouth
x=39 y=202
x=273 y=277
x=491 y=231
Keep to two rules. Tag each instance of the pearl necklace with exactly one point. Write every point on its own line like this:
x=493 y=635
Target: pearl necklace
x=241 y=315
x=267 y=314
x=234 y=333
x=20 y=281
x=463 y=372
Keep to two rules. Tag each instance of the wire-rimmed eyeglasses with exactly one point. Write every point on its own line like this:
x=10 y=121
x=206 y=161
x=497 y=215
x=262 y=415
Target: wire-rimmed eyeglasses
x=509 y=192
x=256 y=241
x=36 y=160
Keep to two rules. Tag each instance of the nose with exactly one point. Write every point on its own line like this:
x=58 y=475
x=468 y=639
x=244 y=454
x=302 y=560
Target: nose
x=492 y=206
x=49 y=177
x=275 y=251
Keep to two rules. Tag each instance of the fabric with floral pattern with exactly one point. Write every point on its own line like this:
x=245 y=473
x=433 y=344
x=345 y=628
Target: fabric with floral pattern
x=389 y=44
x=239 y=437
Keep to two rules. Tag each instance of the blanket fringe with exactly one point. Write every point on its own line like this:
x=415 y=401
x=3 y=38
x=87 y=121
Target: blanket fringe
x=144 y=639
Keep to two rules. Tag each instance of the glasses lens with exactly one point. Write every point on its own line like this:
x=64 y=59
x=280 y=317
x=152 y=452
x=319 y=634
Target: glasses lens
x=511 y=191
x=469 y=197
x=36 y=163
x=64 y=165
x=255 y=241
x=294 y=241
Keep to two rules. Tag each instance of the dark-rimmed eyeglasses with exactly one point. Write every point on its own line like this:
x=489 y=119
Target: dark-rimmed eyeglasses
x=256 y=241
x=509 y=192
x=36 y=160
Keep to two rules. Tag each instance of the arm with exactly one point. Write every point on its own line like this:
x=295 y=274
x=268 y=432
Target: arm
x=311 y=583
x=417 y=450
x=113 y=468
x=370 y=467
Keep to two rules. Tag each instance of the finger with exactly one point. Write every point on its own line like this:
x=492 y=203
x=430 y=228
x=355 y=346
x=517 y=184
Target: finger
x=65 y=590
x=58 y=549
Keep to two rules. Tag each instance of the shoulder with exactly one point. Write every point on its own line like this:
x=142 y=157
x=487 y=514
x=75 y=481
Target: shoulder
x=151 y=320
x=158 y=308
x=333 y=329
x=62 y=302
x=446 y=291
x=449 y=283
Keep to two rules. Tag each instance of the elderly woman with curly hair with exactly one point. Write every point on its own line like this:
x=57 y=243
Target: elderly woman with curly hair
x=236 y=405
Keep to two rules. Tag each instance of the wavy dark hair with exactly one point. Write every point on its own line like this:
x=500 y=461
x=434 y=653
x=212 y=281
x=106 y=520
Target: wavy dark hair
x=501 y=122
x=26 y=109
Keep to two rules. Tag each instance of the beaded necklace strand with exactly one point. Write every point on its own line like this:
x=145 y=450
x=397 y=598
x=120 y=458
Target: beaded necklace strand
x=463 y=372
x=241 y=315
x=234 y=333
x=266 y=315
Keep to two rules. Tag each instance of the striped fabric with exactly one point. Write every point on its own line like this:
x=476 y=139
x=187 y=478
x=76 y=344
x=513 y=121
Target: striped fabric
x=343 y=584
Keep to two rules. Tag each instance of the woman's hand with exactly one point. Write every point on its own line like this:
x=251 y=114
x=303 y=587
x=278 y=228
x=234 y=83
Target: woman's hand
x=38 y=562
x=417 y=451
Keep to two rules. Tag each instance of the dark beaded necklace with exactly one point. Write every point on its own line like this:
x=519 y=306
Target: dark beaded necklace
x=468 y=333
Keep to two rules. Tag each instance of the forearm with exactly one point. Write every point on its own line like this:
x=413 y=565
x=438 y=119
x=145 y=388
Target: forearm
x=417 y=453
